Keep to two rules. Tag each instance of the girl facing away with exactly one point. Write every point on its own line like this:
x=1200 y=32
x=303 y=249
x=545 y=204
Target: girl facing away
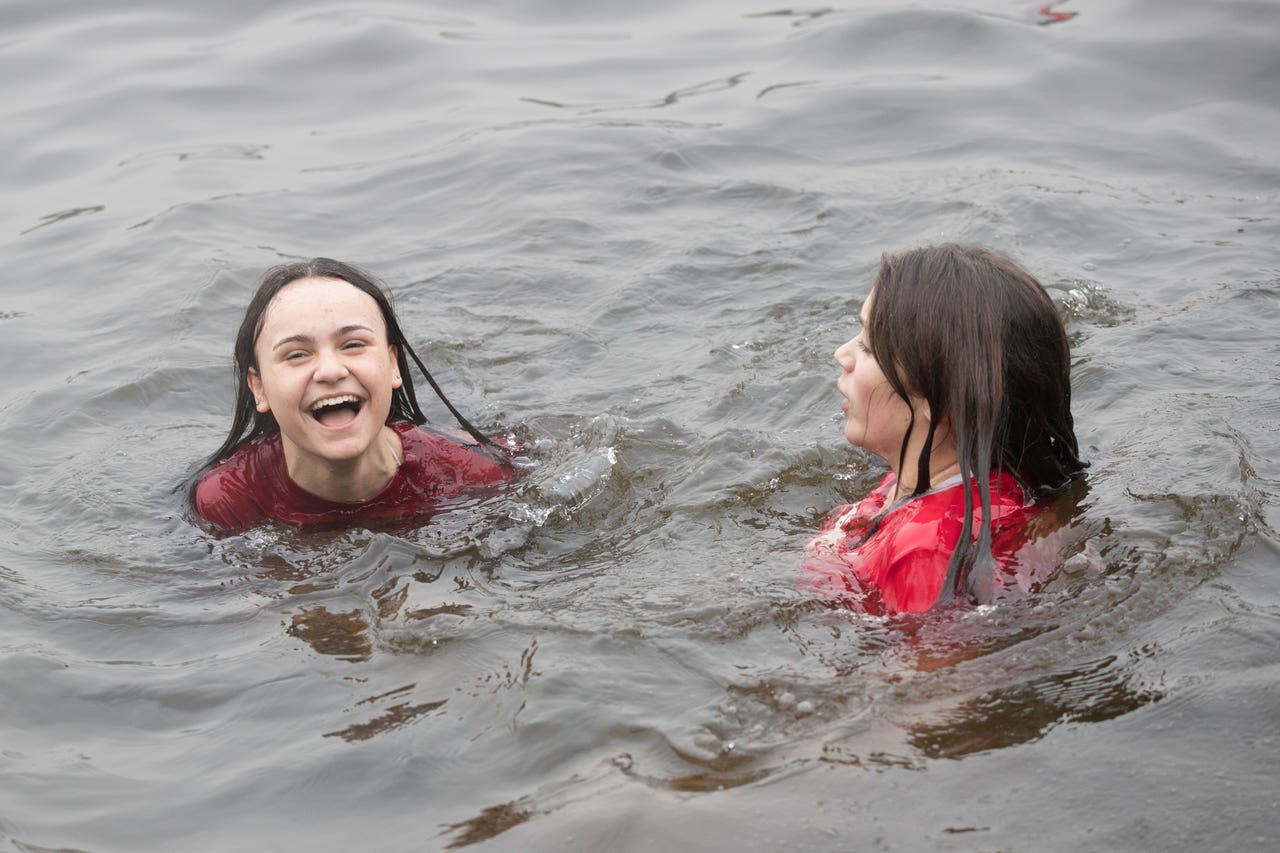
x=327 y=426
x=959 y=379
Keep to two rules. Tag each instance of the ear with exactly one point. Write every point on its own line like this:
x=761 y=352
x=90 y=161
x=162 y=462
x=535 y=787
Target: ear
x=254 y=382
x=396 y=379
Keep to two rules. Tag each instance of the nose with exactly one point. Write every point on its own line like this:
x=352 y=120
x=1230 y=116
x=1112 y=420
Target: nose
x=330 y=366
x=844 y=355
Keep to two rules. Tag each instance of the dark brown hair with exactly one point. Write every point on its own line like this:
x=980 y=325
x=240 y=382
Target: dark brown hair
x=979 y=339
x=248 y=423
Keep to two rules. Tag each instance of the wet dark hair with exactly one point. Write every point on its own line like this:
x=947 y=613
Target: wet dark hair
x=975 y=336
x=248 y=424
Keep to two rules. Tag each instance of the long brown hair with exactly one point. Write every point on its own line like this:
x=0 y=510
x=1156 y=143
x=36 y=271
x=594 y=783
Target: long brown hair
x=979 y=339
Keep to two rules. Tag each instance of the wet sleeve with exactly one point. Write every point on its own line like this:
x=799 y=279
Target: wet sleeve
x=219 y=501
x=473 y=465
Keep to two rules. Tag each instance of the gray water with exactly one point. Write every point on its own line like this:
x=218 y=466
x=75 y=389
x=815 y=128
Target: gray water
x=631 y=235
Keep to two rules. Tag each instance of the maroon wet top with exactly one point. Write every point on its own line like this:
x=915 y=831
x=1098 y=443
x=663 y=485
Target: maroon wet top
x=253 y=485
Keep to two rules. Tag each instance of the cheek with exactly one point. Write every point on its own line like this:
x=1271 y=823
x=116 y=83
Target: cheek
x=389 y=379
x=869 y=386
x=880 y=413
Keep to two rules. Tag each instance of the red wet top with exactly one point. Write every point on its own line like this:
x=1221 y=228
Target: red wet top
x=253 y=485
x=901 y=567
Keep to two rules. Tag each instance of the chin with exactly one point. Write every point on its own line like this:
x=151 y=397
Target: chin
x=344 y=452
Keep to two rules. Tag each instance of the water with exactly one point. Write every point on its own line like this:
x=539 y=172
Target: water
x=632 y=235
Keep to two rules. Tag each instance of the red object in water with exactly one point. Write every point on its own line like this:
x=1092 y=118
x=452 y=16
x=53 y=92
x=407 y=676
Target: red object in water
x=1054 y=17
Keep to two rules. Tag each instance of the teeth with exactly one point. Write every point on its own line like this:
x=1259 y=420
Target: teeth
x=333 y=401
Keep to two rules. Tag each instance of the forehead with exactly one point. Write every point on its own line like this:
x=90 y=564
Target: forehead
x=311 y=305
x=865 y=314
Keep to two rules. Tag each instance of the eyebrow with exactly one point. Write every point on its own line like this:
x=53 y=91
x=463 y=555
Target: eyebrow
x=306 y=339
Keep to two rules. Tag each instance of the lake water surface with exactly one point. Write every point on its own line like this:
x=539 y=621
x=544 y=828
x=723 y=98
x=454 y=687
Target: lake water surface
x=631 y=235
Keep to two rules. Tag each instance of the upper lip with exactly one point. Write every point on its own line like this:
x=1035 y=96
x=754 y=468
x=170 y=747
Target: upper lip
x=333 y=400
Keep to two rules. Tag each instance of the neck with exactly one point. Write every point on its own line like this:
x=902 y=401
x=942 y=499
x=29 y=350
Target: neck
x=937 y=474
x=348 y=480
x=944 y=462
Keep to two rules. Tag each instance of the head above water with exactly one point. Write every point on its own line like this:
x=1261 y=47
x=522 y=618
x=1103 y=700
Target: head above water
x=248 y=423
x=978 y=339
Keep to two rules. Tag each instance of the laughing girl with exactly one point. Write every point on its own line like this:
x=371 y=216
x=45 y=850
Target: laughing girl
x=327 y=427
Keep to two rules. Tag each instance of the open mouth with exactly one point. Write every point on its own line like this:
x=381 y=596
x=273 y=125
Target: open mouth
x=336 y=411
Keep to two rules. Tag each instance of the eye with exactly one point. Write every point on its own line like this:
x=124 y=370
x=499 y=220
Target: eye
x=295 y=355
x=355 y=345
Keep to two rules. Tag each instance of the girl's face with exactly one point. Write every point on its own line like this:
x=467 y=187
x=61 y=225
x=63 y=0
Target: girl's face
x=326 y=371
x=876 y=417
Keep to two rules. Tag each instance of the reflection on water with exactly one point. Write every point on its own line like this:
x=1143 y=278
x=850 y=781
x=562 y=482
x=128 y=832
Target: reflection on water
x=496 y=819
x=1023 y=712
x=343 y=635
x=393 y=718
x=492 y=821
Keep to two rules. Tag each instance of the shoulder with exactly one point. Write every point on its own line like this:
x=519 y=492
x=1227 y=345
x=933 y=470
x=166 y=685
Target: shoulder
x=229 y=494
x=1006 y=495
x=450 y=455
